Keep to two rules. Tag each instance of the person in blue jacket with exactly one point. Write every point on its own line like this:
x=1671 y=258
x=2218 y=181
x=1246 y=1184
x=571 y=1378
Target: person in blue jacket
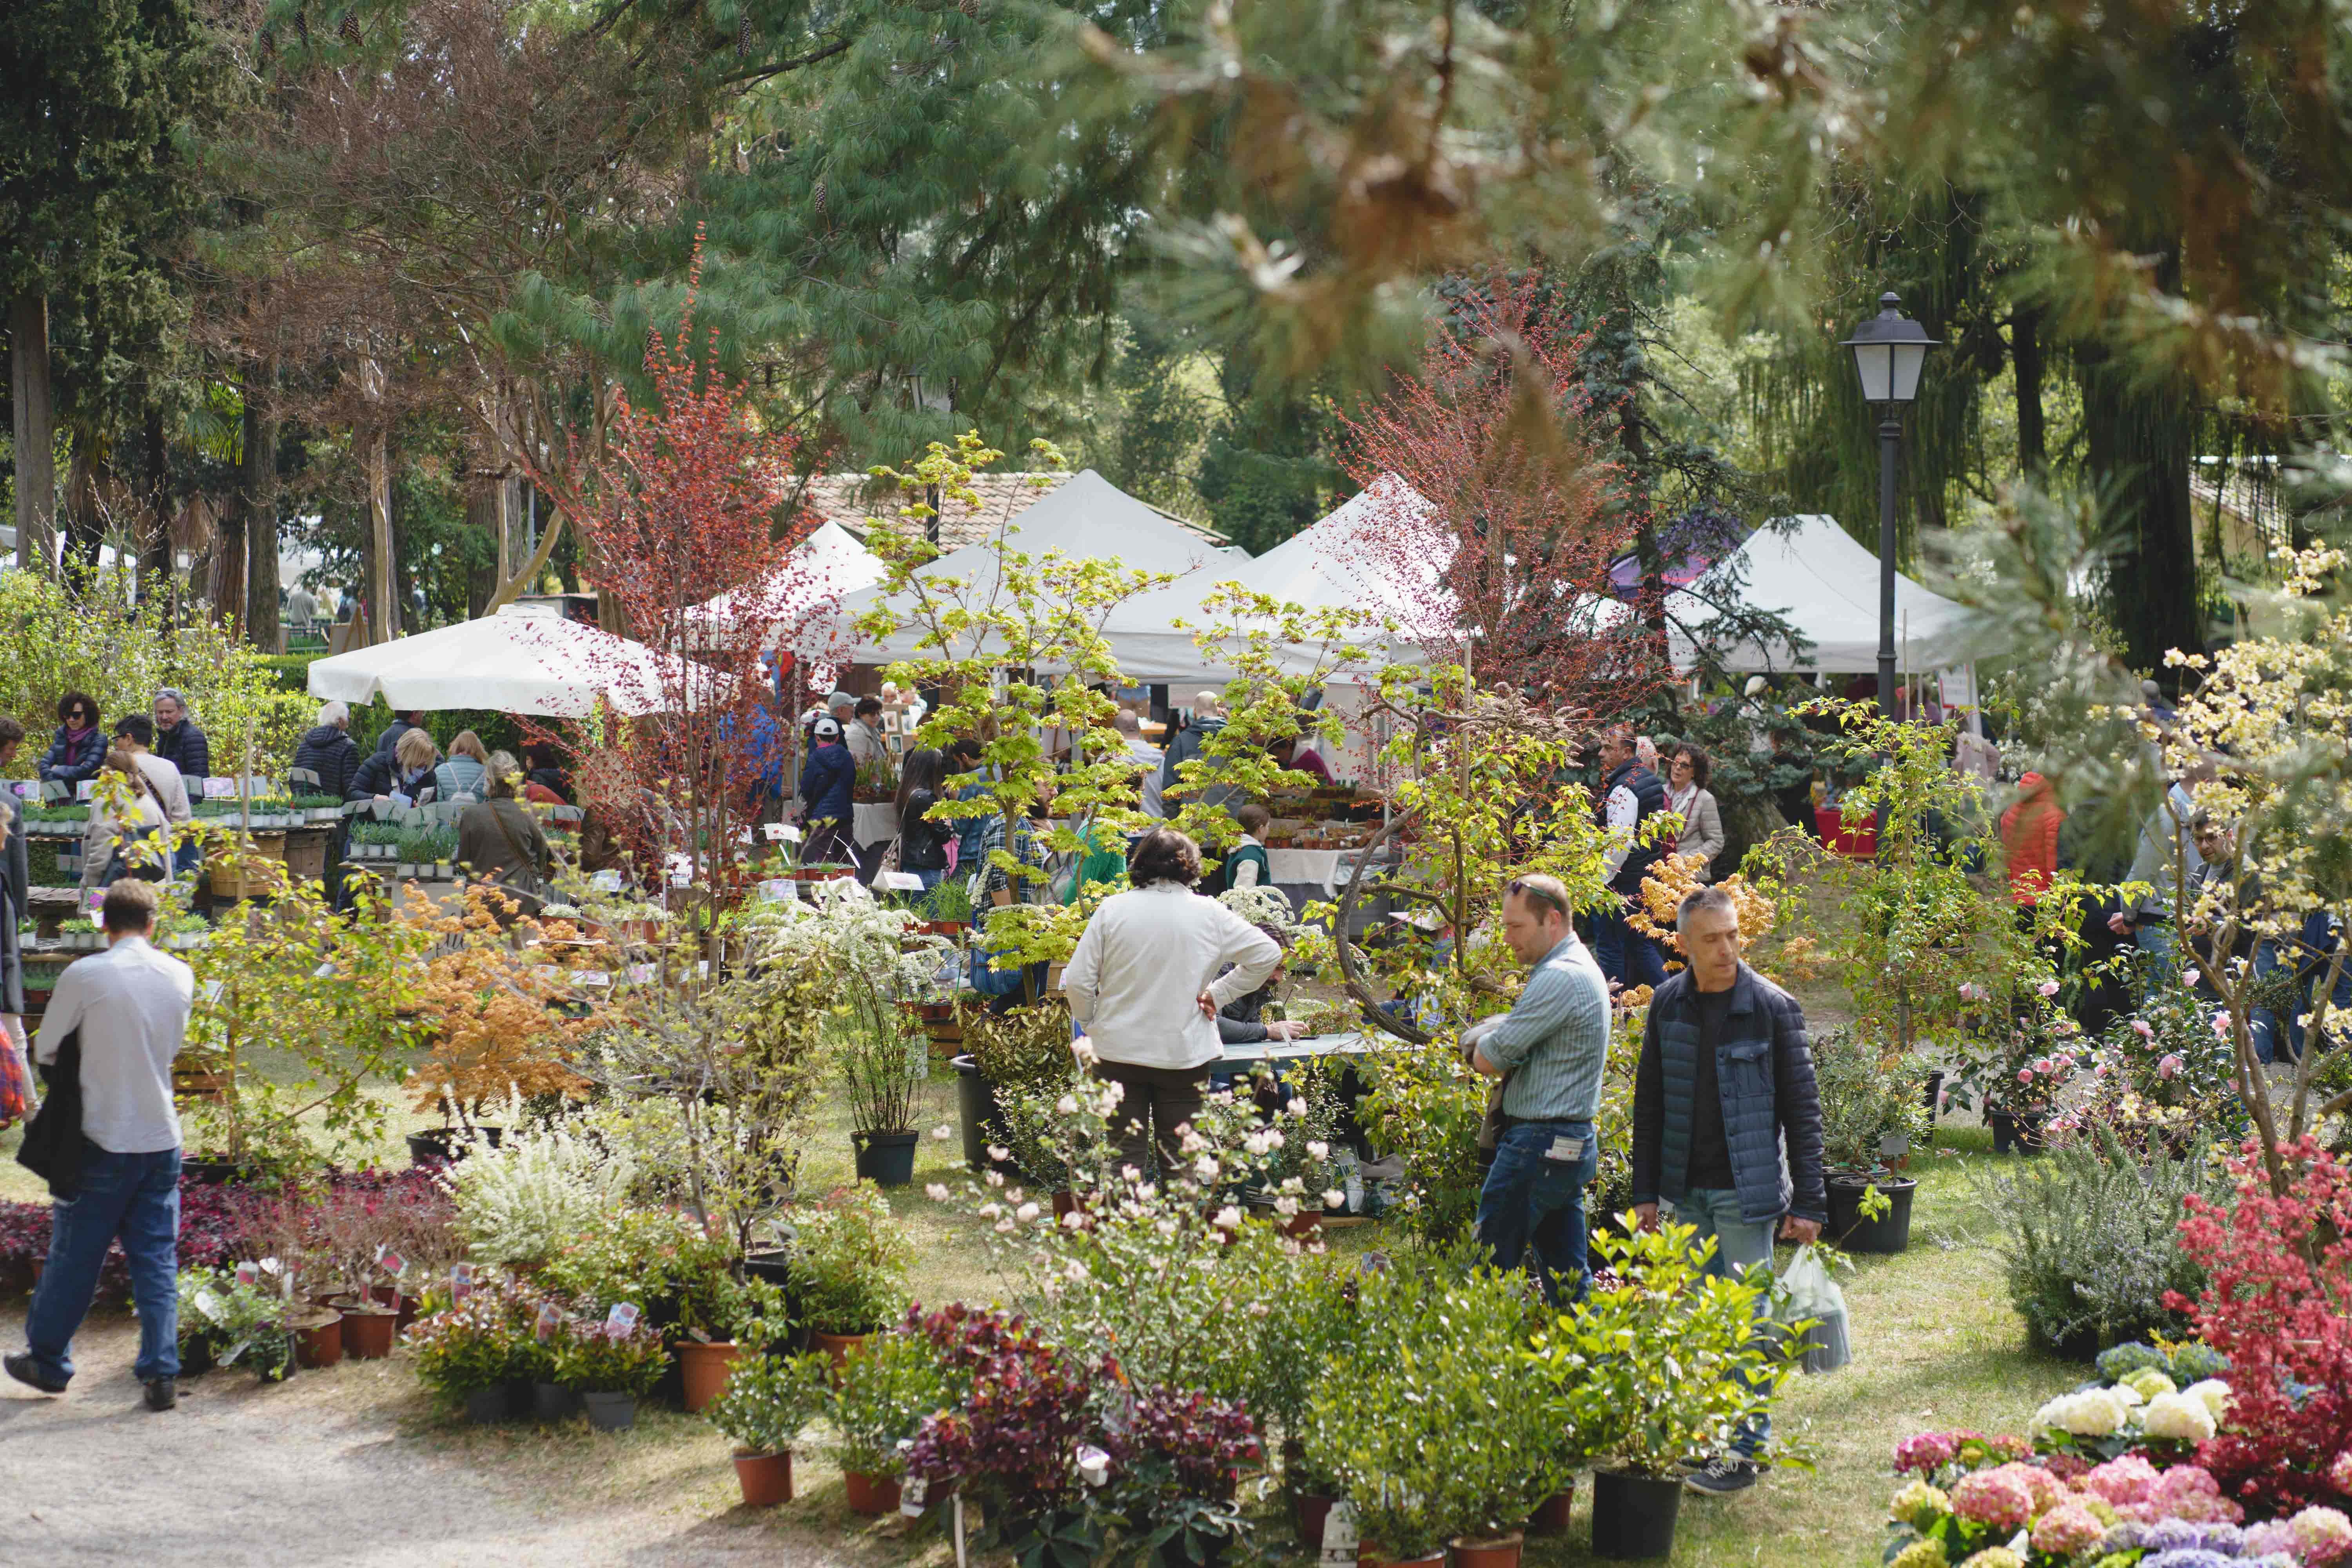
x=826 y=778
x=77 y=750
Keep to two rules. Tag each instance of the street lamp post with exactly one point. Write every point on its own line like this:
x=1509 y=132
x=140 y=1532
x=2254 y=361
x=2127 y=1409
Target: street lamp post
x=1888 y=350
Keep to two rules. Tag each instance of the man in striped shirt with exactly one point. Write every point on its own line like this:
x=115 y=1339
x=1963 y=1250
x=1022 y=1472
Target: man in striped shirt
x=1549 y=1050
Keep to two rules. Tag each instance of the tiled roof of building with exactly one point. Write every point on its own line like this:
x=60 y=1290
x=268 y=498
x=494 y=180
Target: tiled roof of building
x=857 y=503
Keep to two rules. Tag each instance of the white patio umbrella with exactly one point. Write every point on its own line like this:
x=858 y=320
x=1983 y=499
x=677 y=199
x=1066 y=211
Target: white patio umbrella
x=517 y=663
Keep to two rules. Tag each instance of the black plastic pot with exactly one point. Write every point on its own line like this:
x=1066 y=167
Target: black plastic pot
x=774 y=1266
x=1633 y=1516
x=553 y=1402
x=487 y=1406
x=206 y=1172
x=984 y=1120
x=1889 y=1234
x=440 y=1145
x=886 y=1159
x=610 y=1411
x=2015 y=1133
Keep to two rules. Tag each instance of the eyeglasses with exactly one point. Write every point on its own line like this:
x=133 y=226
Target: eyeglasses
x=1529 y=890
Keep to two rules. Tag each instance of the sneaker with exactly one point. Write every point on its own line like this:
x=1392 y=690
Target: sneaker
x=25 y=1370
x=1720 y=1478
x=163 y=1393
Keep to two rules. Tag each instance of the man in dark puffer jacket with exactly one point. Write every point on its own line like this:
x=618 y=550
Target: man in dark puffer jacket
x=330 y=752
x=1728 y=1120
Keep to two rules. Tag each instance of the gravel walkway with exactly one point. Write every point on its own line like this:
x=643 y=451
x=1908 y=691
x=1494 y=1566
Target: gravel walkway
x=319 y=1470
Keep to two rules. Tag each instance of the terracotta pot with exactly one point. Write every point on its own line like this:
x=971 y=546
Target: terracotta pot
x=766 y=1478
x=705 y=1368
x=1307 y=1513
x=837 y=1346
x=1501 y=1552
x=321 y=1343
x=368 y=1330
x=1369 y=1555
x=1064 y=1204
x=1551 y=1515
x=871 y=1494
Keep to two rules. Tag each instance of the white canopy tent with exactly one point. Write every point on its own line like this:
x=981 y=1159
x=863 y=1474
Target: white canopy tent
x=822 y=570
x=1088 y=518
x=513 y=662
x=1825 y=584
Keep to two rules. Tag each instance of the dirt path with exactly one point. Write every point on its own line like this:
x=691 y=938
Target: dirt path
x=338 y=1468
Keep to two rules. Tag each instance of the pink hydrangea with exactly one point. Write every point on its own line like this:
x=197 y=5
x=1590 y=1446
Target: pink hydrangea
x=2125 y=1484
x=1927 y=1452
x=2190 y=1492
x=2066 y=1529
x=2323 y=1536
x=1998 y=1496
x=2262 y=1539
x=2339 y=1474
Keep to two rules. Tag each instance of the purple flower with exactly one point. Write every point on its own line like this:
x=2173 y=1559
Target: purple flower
x=2171 y=1536
x=2190 y=1557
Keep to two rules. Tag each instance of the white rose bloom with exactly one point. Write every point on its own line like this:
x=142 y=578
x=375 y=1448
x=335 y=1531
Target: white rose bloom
x=1285 y=1207
x=936 y=1192
x=2178 y=1417
x=1025 y=1213
x=1229 y=1218
x=1316 y=1149
x=1067 y=1105
x=1205 y=1167
x=1333 y=1198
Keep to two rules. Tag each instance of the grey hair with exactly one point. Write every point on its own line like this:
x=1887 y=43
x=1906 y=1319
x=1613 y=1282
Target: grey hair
x=174 y=693
x=334 y=713
x=1700 y=902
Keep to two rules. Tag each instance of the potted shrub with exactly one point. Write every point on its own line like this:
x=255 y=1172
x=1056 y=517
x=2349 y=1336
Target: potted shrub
x=472 y=1353
x=1661 y=1369
x=1873 y=1110
x=227 y=1320
x=1024 y=1051
x=768 y=1403
x=721 y=1317
x=880 y=1072
x=848 y=1269
x=1174 y=1486
x=885 y=1390
x=612 y=1365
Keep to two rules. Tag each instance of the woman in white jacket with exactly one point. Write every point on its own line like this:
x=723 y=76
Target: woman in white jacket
x=1687 y=797
x=107 y=842
x=1143 y=984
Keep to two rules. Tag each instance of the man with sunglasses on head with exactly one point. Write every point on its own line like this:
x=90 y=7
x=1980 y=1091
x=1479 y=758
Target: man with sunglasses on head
x=1548 y=1051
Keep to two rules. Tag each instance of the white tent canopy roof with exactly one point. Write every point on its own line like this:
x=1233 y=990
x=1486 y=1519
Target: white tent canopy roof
x=512 y=662
x=822 y=570
x=1088 y=518
x=1825 y=584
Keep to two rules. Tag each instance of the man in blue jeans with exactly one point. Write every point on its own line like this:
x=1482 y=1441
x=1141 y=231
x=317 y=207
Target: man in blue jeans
x=1549 y=1050
x=1631 y=797
x=130 y=1004
x=1728 y=1121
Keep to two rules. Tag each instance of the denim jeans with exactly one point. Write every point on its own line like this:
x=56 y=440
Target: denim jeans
x=137 y=1198
x=2154 y=940
x=1532 y=1201
x=1740 y=1244
x=1625 y=955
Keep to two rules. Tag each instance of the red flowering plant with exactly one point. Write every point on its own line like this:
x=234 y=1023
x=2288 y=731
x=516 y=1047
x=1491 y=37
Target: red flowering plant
x=2278 y=1303
x=1185 y=1451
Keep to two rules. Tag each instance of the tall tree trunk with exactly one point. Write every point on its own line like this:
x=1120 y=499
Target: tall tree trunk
x=82 y=520
x=155 y=533
x=2025 y=352
x=382 y=585
x=35 y=432
x=2138 y=440
x=485 y=510
x=259 y=497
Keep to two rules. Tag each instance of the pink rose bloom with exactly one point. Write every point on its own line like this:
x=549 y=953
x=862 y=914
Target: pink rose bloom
x=2042 y=1064
x=1998 y=1497
x=2048 y=988
x=2025 y=1074
x=2168 y=1067
x=2221 y=1024
x=2066 y=1529
x=2192 y=977
x=2101 y=1071
x=2128 y=1482
x=2339 y=1474
x=2323 y=1536
x=1943 y=1100
x=2189 y=1492
x=2140 y=1026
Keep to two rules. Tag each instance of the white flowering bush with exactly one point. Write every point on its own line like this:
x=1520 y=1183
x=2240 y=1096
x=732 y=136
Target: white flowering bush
x=518 y=1205
x=2142 y=1408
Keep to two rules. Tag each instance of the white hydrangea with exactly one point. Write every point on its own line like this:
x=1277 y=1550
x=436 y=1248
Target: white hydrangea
x=2178 y=1417
x=2090 y=1413
x=2214 y=1394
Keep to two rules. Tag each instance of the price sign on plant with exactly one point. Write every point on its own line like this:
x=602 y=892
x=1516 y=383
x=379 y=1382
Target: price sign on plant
x=549 y=1316
x=624 y=1316
x=461 y=1281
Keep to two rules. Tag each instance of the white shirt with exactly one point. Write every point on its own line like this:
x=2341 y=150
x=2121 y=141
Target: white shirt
x=865 y=743
x=171 y=790
x=131 y=1003
x=1624 y=814
x=1149 y=757
x=1136 y=976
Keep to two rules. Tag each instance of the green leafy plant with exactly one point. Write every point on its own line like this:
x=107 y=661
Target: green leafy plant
x=523 y=1202
x=1667 y=1364
x=771 y=1400
x=1025 y=1050
x=2092 y=1241
x=1867 y=1093
x=603 y=1357
x=1424 y=1098
x=849 y=1261
x=238 y=1320
x=479 y=1342
x=887 y=1386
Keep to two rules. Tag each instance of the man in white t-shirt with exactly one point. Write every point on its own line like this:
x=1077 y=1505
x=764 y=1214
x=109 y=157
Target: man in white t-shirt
x=130 y=1007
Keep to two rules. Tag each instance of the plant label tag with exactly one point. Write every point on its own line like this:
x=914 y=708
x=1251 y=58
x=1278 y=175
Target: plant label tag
x=82 y=790
x=461 y=1281
x=641 y=974
x=391 y=1262
x=247 y=1272
x=209 y=1304
x=547 y=972
x=1565 y=1151
x=594 y=977
x=324 y=972
x=775 y=891
x=97 y=898
x=606 y=881
x=1338 y=1547
x=624 y=1316
x=910 y=1497
x=703 y=969
x=902 y=881
x=742 y=836
x=212 y=991
x=549 y=1315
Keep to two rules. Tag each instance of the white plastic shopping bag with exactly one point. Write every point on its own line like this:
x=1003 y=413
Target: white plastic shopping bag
x=1806 y=1291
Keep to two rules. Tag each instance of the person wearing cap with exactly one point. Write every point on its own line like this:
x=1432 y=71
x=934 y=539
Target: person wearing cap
x=826 y=780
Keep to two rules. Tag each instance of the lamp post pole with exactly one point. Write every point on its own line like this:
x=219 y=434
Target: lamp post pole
x=1890 y=437
x=1888 y=350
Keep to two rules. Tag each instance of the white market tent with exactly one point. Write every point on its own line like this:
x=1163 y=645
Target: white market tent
x=822 y=570
x=1826 y=585
x=510 y=662
x=1088 y=518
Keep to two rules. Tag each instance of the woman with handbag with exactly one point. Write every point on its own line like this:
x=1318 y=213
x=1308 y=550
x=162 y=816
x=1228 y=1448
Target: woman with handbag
x=500 y=841
x=923 y=842
x=107 y=846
